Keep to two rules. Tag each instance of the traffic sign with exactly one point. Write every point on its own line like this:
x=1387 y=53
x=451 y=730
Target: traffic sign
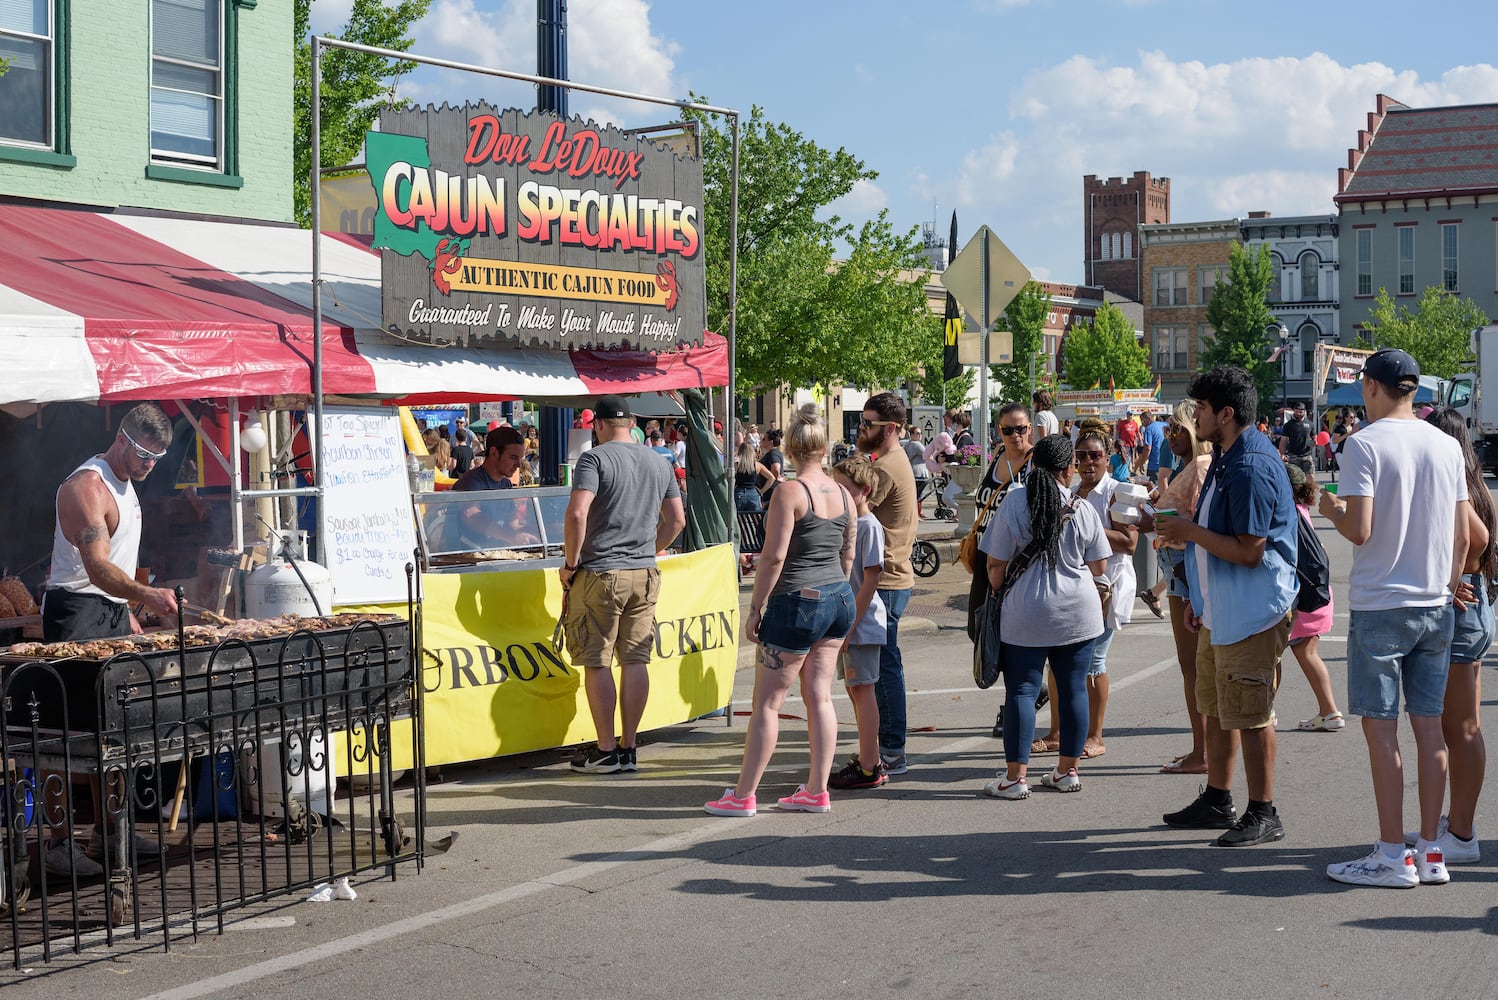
x=985 y=263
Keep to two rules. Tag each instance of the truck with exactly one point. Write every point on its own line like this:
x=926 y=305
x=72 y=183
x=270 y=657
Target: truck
x=1465 y=393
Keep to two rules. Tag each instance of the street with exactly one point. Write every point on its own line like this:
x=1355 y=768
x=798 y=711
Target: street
x=567 y=886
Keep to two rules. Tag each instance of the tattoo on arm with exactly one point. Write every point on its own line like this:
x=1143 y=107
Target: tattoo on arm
x=90 y=534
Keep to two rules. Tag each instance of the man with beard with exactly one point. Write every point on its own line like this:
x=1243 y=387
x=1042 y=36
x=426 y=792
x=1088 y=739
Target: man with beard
x=893 y=502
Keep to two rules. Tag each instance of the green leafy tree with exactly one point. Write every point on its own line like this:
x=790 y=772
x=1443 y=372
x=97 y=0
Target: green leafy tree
x=805 y=319
x=1024 y=318
x=1239 y=313
x=354 y=85
x=1106 y=349
x=1437 y=334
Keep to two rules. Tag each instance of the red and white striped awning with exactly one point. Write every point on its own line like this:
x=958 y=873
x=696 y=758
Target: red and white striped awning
x=120 y=307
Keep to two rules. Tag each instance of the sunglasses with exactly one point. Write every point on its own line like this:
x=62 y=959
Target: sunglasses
x=1006 y=431
x=145 y=455
x=875 y=423
x=1091 y=456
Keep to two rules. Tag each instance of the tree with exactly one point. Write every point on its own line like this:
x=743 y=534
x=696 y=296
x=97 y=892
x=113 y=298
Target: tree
x=1108 y=349
x=1024 y=318
x=805 y=319
x=354 y=86
x=1438 y=334
x=1239 y=313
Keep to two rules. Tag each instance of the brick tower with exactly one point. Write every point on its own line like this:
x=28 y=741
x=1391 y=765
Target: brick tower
x=1113 y=211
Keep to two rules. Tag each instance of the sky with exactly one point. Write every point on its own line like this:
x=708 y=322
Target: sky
x=997 y=108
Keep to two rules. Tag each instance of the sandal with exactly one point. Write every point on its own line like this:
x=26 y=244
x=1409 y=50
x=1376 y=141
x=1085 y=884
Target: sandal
x=1178 y=766
x=1322 y=723
x=1152 y=602
x=1042 y=746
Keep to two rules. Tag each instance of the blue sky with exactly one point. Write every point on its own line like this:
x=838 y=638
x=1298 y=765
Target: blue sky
x=997 y=108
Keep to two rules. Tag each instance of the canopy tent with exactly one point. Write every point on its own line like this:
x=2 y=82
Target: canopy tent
x=1351 y=394
x=115 y=308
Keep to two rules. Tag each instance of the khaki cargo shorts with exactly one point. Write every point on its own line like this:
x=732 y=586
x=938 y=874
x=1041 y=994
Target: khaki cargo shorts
x=1236 y=684
x=612 y=610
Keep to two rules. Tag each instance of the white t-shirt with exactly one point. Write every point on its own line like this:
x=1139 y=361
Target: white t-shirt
x=1208 y=495
x=873 y=628
x=1120 y=568
x=1415 y=476
x=1046 y=423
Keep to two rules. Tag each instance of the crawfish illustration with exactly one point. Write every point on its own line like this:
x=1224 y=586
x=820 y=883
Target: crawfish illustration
x=665 y=276
x=446 y=263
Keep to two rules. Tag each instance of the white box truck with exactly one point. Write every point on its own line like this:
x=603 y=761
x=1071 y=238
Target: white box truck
x=1465 y=392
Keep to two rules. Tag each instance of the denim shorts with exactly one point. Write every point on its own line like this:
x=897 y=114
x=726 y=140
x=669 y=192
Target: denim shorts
x=796 y=621
x=1168 y=560
x=859 y=665
x=1473 y=633
x=1099 y=664
x=1408 y=647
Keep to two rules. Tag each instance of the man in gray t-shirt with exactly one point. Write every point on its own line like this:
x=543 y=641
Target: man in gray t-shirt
x=625 y=507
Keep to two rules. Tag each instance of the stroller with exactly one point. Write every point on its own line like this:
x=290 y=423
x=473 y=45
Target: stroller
x=939 y=484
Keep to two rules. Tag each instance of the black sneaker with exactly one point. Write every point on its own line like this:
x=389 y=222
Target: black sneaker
x=627 y=759
x=596 y=761
x=852 y=775
x=1253 y=828
x=1203 y=815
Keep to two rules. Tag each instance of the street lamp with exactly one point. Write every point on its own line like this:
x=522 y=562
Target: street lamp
x=1283 y=332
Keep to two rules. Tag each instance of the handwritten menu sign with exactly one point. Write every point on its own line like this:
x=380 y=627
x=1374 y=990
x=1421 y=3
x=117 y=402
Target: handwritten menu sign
x=371 y=529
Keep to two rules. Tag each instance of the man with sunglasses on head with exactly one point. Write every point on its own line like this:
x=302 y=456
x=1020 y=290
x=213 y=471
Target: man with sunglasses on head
x=893 y=502
x=96 y=543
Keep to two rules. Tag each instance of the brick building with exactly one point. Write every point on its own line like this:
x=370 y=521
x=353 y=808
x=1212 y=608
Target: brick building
x=1181 y=263
x=1418 y=202
x=1114 y=210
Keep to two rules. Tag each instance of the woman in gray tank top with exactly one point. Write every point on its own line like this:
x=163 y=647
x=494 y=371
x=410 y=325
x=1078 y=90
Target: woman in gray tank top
x=801 y=610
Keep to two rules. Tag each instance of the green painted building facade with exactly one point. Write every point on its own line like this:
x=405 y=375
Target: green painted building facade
x=176 y=105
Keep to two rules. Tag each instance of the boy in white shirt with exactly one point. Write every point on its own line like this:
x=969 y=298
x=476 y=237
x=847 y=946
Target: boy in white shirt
x=858 y=662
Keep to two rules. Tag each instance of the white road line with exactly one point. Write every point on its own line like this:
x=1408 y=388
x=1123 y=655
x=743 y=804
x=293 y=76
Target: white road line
x=339 y=946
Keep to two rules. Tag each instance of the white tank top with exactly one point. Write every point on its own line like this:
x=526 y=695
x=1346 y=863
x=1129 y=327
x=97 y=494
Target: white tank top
x=124 y=545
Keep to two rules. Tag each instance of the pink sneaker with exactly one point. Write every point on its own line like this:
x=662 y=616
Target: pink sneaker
x=730 y=805
x=803 y=801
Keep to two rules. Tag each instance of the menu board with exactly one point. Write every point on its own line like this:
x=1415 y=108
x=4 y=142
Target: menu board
x=371 y=533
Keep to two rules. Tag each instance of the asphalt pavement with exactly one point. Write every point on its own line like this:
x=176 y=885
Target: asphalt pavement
x=620 y=886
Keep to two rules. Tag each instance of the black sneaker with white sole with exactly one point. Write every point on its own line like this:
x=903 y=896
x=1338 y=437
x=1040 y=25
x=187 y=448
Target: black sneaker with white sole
x=627 y=759
x=596 y=761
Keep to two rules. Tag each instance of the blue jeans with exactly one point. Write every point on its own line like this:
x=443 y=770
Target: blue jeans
x=889 y=690
x=1023 y=666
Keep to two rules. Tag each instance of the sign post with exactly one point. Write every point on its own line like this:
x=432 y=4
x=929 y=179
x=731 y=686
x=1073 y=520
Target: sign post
x=984 y=278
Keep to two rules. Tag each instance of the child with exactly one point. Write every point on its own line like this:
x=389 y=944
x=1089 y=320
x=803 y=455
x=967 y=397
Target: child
x=1309 y=626
x=858 y=662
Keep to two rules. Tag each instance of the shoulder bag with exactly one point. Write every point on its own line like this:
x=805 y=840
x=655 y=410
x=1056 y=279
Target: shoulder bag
x=967 y=549
x=988 y=661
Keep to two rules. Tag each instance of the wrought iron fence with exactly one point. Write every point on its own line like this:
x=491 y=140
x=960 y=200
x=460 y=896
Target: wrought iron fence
x=154 y=784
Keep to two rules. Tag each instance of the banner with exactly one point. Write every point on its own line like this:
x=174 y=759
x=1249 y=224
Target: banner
x=534 y=230
x=492 y=684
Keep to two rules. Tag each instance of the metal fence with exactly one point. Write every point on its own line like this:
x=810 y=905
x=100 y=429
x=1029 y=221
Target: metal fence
x=258 y=756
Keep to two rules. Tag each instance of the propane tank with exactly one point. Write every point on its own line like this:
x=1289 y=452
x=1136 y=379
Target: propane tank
x=277 y=588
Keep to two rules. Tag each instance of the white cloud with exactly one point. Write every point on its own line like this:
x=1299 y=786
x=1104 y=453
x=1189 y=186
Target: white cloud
x=866 y=199
x=610 y=43
x=986 y=169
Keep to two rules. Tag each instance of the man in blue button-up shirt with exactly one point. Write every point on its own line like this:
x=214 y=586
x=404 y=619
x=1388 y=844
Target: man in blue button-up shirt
x=1240 y=562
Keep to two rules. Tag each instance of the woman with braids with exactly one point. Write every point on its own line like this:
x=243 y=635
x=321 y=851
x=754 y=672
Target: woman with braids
x=1008 y=468
x=1469 y=641
x=1051 y=610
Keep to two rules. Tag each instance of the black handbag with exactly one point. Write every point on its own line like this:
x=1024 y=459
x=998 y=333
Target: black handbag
x=988 y=660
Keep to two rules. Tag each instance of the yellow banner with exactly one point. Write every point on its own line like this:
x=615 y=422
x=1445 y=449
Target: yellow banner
x=552 y=281
x=493 y=685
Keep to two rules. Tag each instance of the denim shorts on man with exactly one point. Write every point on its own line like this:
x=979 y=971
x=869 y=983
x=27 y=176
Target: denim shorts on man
x=1235 y=684
x=796 y=621
x=1408 y=647
x=859 y=665
x=1473 y=633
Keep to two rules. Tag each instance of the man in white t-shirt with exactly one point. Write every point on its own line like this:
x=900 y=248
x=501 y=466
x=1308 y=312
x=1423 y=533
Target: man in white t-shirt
x=1403 y=504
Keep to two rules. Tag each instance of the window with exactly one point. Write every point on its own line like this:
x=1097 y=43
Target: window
x=187 y=93
x=1103 y=250
x=1307 y=337
x=1128 y=244
x=1406 y=260
x=1117 y=239
x=1276 y=270
x=1171 y=349
x=1449 y=232
x=1208 y=277
x=1170 y=286
x=1310 y=276
x=1365 y=261
x=27 y=36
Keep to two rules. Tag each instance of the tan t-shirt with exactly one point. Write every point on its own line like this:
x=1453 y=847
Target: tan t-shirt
x=893 y=503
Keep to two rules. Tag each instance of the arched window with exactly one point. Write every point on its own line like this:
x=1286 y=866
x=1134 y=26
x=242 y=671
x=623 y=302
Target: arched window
x=1104 y=254
x=1307 y=336
x=1310 y=276
x=1118 y=245
x=1128 y=244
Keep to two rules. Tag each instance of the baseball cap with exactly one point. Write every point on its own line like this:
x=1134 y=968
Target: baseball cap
x=610 y=408
x=1297 y=475
x=1392 y=367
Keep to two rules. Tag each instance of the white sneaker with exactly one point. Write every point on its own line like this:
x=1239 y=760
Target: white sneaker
x=66 y=858
x=1457 y=852
x=1000 y=788
x=1068 y=782
x=1377 y=870
x=1431 y=863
